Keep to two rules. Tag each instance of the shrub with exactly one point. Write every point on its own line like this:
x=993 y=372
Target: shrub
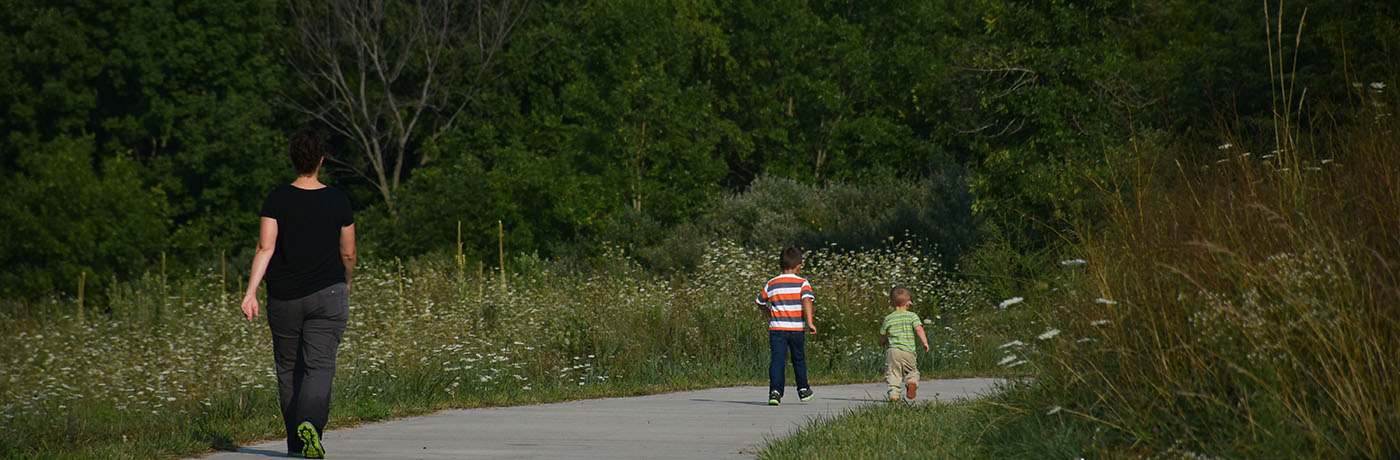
x=933 y=213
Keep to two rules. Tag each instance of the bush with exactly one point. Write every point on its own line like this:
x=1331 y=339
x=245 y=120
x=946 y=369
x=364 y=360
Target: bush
x=65 y=217
x=934 y=213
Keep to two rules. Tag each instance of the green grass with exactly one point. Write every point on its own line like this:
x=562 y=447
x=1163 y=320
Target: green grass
x=885 y=431
x=961 y=429
x=170 y=368
x=990 y=428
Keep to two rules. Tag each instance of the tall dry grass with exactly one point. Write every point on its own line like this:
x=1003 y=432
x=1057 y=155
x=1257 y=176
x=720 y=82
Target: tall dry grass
x=1239 y=303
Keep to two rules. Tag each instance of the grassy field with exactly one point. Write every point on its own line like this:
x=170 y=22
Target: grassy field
x=1232 y=303
x=170 y=368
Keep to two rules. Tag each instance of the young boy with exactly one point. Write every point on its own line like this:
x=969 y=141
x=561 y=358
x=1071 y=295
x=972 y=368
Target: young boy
x=897 y=335
x=788 y=300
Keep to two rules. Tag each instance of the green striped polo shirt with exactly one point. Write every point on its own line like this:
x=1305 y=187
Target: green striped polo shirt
x=899 y=327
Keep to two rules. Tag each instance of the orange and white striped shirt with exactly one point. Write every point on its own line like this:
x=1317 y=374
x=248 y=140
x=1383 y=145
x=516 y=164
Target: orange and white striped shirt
x=783 y=294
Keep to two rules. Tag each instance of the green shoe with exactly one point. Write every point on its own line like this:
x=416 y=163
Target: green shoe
x=805 y=394
x=310 y=441
x=774 y=399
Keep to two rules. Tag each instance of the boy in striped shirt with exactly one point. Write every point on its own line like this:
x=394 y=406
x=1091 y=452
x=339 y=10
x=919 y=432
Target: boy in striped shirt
x=897 y=335
x=788 y=300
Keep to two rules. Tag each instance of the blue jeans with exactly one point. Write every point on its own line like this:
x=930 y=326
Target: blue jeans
x=782 y=344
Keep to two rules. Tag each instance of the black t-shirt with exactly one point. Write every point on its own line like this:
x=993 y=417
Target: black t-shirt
x=307 y=257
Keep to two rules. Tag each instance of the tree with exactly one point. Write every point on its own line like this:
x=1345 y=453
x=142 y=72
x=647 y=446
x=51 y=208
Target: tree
x=391 y=76
x=134 y=118
x=67 y=216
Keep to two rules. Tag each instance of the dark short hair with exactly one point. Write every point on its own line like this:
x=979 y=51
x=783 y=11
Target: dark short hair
x=790 y=259
x=900 y=293
x=307 y=150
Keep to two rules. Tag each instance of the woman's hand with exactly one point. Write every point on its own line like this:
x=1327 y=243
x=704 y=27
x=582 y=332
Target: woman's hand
x=250 y=306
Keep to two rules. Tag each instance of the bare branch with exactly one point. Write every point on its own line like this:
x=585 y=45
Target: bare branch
x=388 y=74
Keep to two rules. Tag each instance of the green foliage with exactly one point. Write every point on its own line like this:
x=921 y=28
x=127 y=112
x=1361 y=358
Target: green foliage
x=168 y=101
x=933 y=214
x=634 y=118
x=68 y=217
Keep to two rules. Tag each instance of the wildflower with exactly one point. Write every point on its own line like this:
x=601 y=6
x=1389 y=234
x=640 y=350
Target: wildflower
x=1376 y=85
x=1047 y=335
x=1013 y=343
x=1098 y=322
x=1007 y=359
x=1225 y=146
x=1072 y=262
x=1105 y=301
x=928 y=321
x=1011 y=301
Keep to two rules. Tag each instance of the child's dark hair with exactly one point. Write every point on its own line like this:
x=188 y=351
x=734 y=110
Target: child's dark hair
x=790 y=259
x=307 y=150
x=901 y=294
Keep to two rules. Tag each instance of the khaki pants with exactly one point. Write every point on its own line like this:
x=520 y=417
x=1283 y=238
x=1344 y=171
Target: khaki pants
x=900 y=367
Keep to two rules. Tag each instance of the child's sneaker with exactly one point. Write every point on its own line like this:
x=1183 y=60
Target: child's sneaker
x=310 y=441
x=774 y=398
x=911 y=389
x=804 y=394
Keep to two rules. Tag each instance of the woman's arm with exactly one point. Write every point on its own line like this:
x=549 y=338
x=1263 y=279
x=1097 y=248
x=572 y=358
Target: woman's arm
x=347 y=252
x=267 y=243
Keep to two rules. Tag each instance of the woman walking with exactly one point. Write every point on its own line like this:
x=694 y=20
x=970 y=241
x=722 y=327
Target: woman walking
x=306 y=253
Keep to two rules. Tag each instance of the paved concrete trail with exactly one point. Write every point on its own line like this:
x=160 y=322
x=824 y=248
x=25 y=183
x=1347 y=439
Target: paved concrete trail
x=705 y=424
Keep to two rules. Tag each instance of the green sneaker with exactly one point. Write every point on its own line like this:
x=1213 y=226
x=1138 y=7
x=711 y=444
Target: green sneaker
x=805 y=394
x=310 y=441
x=775 y=398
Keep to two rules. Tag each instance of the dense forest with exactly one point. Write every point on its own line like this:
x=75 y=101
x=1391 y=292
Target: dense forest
x=145 y=133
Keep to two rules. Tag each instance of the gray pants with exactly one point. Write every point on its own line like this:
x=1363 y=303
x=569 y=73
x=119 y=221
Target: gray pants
x=305 y=337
